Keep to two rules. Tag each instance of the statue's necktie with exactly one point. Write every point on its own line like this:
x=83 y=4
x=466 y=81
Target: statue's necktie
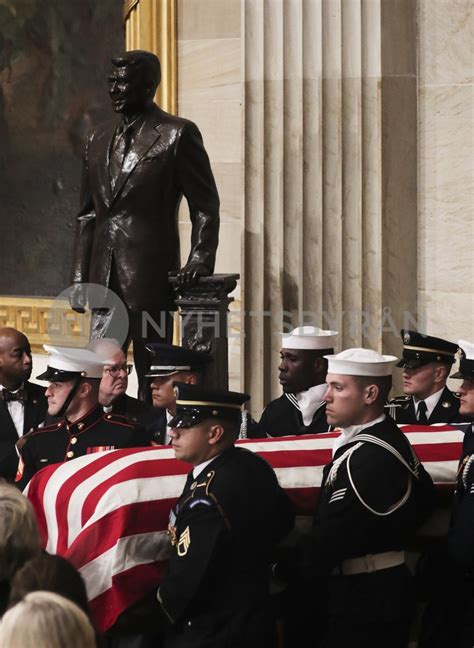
x=422 y=409
x=119 y=151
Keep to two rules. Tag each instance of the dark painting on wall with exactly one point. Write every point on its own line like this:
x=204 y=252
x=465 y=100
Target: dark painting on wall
x=54 y=60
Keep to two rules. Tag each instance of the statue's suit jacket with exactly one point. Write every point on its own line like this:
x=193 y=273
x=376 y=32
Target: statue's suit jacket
x=135 y=224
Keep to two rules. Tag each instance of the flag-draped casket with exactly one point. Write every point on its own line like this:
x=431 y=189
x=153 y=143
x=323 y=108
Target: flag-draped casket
x=108 y=512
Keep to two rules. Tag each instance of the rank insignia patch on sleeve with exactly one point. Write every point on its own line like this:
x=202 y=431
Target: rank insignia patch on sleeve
x=184 y=542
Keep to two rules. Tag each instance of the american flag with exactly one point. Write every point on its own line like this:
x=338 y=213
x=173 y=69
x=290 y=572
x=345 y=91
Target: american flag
x=108 y=512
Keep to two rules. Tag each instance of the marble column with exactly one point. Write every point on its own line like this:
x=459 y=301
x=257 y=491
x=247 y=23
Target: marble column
x=330 y=175
x=446 y=168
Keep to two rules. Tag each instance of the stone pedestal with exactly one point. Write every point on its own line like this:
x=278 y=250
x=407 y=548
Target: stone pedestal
x=203 y=310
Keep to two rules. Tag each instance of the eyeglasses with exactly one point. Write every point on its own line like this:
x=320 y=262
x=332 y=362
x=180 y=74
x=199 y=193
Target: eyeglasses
x=114 y=370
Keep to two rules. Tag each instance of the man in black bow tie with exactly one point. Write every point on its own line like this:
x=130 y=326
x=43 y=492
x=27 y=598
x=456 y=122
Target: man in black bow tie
x=22 y=404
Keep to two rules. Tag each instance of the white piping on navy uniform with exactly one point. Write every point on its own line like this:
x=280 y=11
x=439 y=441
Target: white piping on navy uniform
x=396 y=506
x=335 y=467
x=466 y=470
x=243 y=425
x=337 y=495
x=293 y=400
x=383 y=444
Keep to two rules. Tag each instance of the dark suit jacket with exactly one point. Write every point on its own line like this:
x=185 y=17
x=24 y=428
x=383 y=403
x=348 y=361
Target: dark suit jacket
x=36 y=406
x=134 y=410
x=156 y=431
x=446 y=410
x=136 y=224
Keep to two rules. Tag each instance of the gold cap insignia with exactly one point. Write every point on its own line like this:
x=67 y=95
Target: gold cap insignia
x=406 y=338
x=184 y=542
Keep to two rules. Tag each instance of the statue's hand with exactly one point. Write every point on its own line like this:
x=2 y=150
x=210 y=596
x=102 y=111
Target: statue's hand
x=78 y=297
x=191 y=273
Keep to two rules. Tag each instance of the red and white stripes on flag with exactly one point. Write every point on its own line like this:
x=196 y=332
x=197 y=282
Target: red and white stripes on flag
x=108 y=512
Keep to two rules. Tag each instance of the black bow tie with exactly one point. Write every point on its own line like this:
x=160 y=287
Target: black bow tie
x=8 y=396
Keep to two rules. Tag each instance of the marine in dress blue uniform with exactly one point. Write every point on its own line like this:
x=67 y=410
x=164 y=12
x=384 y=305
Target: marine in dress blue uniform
x=224 y=528
x=72 y=435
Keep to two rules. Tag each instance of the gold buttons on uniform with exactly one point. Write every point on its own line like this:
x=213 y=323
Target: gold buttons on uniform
x=70 y=454
x=80 y=426
x=73 y=440
x=108 y=417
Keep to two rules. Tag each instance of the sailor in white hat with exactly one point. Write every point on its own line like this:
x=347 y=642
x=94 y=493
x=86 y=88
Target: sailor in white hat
x=374 y=495
x=302 y=374
x=80 y=424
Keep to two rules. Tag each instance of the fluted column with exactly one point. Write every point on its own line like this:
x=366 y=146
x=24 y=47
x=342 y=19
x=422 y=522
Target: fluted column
x=330 y=175
x=151 y=25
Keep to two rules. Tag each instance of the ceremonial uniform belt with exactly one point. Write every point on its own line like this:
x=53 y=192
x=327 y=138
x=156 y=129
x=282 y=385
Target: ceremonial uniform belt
x=369 y=563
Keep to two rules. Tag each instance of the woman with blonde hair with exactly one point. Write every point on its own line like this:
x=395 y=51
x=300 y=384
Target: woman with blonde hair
x=19 y=537
x=46 y=620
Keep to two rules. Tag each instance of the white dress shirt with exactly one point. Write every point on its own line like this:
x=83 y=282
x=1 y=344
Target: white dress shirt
x=16 y=409
x=431 y=402
x=197 y=470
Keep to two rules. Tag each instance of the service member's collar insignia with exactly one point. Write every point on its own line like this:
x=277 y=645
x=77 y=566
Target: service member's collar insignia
x=446 y=404
x=184 y=542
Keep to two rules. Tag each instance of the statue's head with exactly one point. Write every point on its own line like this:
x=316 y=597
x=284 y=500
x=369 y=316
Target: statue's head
x=133 y=81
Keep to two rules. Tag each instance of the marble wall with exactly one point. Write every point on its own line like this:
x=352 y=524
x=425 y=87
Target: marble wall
x=340 y=133
x=210 y=92
x=446 y=167
x=330 y=175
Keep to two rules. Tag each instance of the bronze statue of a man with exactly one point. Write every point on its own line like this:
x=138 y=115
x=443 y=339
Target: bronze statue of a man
x=135 y=172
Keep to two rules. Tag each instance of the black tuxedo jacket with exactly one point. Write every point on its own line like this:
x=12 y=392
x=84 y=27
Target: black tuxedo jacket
x=135 y=224
x=35 y=411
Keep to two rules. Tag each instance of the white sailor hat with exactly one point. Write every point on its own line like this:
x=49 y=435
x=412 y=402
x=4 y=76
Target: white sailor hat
x=360 y=362
x=67 y=363
x=309 y=338
x=466 y=361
